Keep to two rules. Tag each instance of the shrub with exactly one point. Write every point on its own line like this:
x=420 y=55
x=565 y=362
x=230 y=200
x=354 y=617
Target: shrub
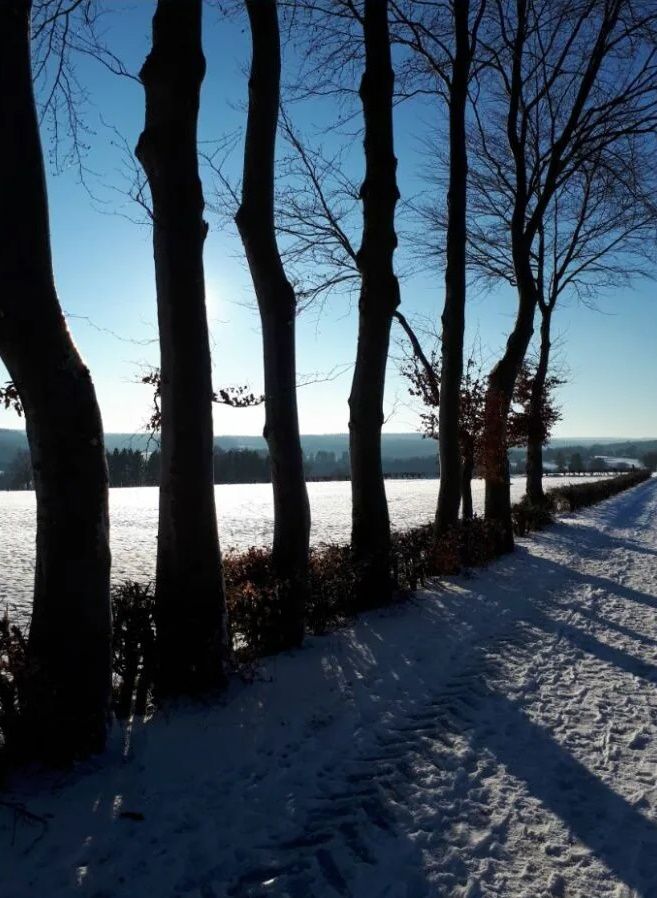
x=479 y=541
x=252 y=593
x=133 y=647
x=411 y=556
x=580 y=495
x=13 y=665
x=416 y=556
x=528 y=516
x=332 y=588
x=253 y=596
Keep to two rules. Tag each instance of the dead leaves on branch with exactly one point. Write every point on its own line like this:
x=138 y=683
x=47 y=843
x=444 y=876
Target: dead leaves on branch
x=236 y=397
x=10 y=399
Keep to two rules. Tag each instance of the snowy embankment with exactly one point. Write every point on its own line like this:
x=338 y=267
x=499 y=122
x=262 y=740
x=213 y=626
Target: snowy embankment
x=497 y=736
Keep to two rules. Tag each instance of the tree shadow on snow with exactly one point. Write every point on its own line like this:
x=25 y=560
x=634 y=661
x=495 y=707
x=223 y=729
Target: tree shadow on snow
x=592 y=543
x=616 y=832
x=389 y=678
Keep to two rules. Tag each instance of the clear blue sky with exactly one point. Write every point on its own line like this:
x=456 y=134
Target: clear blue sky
x=104 y=272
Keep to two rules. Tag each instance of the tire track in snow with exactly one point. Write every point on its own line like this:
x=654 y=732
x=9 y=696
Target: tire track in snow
x=359 y=818
x=457 y=759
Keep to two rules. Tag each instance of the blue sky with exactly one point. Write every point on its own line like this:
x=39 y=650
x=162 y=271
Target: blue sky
x=104 y=272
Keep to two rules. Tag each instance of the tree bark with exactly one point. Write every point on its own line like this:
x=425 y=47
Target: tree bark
x=467 y=472
x=190 y=610
x=379 y=297
x=499 y=395
x=68 y=688
x=536 y=433
x=277 y=304
x=453 y=317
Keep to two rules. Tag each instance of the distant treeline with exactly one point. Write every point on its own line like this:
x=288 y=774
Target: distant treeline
x=134 y=467
x=594 y=458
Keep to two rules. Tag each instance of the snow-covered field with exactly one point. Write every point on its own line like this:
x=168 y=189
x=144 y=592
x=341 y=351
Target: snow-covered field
x=246 y=518
x=496 y=736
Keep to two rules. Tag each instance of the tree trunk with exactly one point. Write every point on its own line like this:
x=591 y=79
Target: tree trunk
x=453 y=317
x=467 y=471
x=501 y=383
x=189 y=592
x=379 y=297
x=277 y=304
x=536 y=432
x=68 y=692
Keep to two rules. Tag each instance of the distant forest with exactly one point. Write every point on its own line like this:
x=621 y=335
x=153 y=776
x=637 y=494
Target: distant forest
x=135 y=467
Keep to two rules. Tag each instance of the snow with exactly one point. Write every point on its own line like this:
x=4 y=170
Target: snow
x=245 y=514
x=495 y=736
x=613 y=461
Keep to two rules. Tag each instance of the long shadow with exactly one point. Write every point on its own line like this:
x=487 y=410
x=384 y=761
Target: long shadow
x=615 y=831
x=606 y=624
x=614 y=588
x=537 y=573
x=606 y=653
x=593 y=542
x=545 y=572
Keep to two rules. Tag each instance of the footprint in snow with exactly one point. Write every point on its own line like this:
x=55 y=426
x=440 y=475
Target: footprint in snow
x=639 y=741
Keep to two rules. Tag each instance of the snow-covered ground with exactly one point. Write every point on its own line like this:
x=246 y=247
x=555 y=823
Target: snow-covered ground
x=245 y=512
x=496 y=736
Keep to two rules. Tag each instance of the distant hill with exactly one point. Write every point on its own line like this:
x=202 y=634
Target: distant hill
x=598 y=446
x=395 y=445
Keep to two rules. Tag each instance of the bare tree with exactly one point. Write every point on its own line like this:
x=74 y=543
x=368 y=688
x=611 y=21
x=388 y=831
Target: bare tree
x=443 y=39
x=599 y=232
x=277 y=304
x=338 y=40
x=565 y=82
x=596 y=230
x=63 y=33
x=379 y=298
x=318 y=211
x=423 y=375
x=67 y=697
x=189 y=595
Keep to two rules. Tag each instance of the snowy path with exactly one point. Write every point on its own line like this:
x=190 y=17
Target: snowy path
x=496 y=737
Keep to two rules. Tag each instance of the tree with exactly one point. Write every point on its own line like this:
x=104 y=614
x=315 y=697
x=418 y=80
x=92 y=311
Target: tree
x=598 y=232
x=423 y=374
x=649 y=460
x=338 y=40
x=570 y=81
x=534 y=413
x=68 y=690
x=190 y=609
x=576 y=465
x=277 y=305
x=447 y=49
x=379 y=298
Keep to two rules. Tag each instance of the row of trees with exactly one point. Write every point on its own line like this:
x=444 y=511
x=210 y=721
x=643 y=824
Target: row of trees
x=551 y=108
x=131 y=467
